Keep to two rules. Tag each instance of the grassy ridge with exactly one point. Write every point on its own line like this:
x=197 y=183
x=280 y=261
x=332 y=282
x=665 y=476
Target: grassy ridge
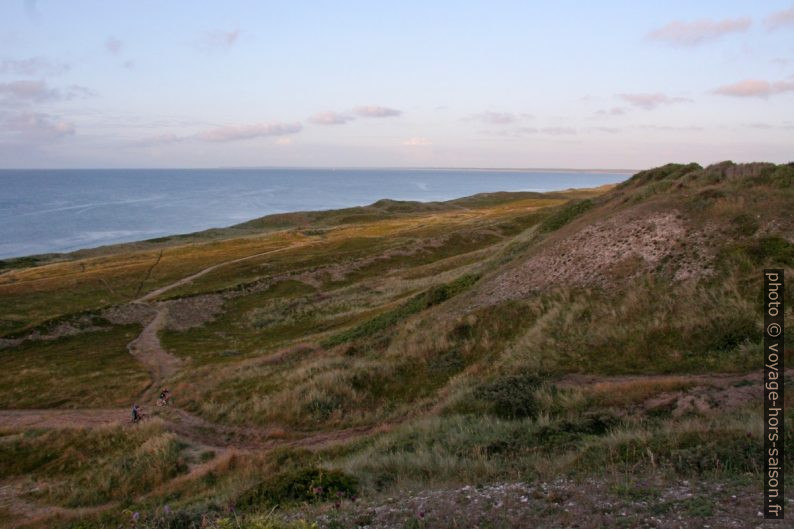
x=395 y=319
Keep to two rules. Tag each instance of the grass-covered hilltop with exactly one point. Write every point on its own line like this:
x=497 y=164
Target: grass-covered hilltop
x=587 y=358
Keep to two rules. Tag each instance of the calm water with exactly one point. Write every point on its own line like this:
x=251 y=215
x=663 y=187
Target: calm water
x=63 y=210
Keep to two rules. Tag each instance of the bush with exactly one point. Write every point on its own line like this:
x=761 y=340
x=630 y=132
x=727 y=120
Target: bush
x=512 y=397
x=745 y=224
x=774 y=250
x=300 y=485
x=569 y=431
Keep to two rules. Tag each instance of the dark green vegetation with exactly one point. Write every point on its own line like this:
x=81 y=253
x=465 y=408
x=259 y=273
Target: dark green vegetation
x=610 y=334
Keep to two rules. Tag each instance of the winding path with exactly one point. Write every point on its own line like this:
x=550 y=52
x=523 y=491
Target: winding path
x=189 y=279
x=147 y=347
x=224 y=439
x=161 y=365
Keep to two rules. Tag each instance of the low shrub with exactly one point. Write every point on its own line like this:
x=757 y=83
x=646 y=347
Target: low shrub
x=300 y=485
x=512 y=396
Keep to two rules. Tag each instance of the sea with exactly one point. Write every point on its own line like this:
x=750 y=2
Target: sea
x=46 y=211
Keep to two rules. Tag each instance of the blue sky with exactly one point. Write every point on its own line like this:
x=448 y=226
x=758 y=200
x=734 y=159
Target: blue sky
x=454 y=84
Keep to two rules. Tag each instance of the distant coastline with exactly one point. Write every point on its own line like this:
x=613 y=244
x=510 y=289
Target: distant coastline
x=340 y=168
x=59 y=211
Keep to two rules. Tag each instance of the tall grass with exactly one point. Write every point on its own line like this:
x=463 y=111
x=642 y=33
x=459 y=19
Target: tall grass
x=84 y=467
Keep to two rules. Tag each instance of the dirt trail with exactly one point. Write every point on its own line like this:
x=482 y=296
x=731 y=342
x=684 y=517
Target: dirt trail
x=147 y=349
x=189 y=279
x=50 y=418
x=228 y=440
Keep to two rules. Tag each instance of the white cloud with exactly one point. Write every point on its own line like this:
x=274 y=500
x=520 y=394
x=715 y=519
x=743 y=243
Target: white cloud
x=374 y=111
x=244 y=132
x=681 y=33
x=755 y=88
x=330 y=118
x=650 y=101
x=160 y=139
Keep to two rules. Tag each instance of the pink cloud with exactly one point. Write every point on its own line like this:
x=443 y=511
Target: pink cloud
x=755 y=88
x=650 y=101
x=40 y=92
x=374 y=111
x=780 y=19
x=35 y=126
x=244 y=132
x=681 y=33
x=37 y=91
x=113 y=45
x=417 y=142
x=330 y=118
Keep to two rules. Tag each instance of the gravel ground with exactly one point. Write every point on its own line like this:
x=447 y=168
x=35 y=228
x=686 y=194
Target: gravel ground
x=557 y=504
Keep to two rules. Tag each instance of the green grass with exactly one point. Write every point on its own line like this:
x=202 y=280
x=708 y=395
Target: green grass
x=93 y=369
x=418 y=303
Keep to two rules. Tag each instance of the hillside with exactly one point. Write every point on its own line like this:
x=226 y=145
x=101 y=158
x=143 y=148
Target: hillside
x=502 y=360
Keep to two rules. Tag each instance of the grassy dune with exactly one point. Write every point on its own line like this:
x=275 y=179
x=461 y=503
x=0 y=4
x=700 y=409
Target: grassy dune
x=611 y=337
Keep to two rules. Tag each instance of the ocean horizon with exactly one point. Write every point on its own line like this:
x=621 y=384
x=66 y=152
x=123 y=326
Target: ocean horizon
x=63 y=210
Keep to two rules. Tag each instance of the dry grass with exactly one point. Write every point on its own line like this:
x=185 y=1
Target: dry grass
x=327 y=334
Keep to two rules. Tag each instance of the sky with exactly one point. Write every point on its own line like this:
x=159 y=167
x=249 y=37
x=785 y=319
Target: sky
x=566 y=84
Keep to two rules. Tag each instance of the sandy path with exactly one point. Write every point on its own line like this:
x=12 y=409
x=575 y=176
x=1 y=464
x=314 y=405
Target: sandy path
x=147 y=347
x=189 y=279
x=149 y=351
x=87 y=418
